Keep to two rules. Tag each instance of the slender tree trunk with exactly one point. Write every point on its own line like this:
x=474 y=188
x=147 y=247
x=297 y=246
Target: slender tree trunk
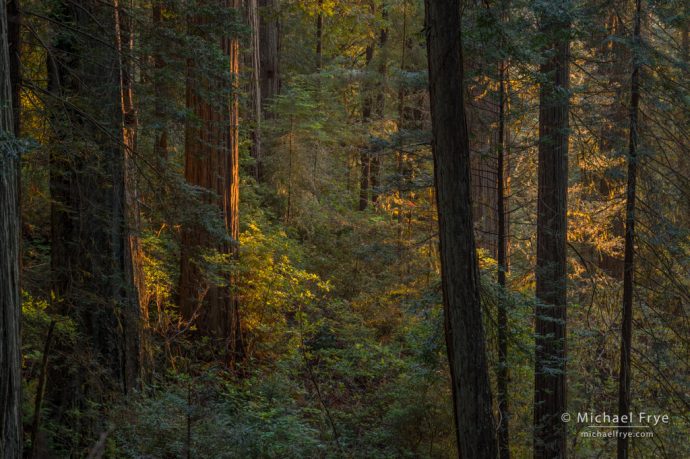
x=14 y=47
x=551 y=272
x=629 y=258
x=10 y=306
x=255 y=90
x=40 y=391
x=380 y=105
x=460 y=275
x=365 y=154
x=400 y=154
x=365 y=164
x=161 y=91
x=319 y=37
x=212 y=162
x=502 y=261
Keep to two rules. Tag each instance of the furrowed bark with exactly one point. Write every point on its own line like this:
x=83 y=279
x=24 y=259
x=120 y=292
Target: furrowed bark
x=90 y=256
x=10 y=300
x=460 y=275
x=551 y=271
x=212 y=163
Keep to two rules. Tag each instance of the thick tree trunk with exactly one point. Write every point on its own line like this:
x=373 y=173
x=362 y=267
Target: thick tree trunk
x=130 y=125
x=10 y=306
x=472 y=403
x=212 y=162
x=232 y=197
x=551 y=272
x=629 y=260
x=90 y=256
x=269 y=44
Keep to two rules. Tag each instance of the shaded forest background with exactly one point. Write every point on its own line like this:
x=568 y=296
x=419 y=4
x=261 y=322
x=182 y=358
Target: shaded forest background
x=229 y=232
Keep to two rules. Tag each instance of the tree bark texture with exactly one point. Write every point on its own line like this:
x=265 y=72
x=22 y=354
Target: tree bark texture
x=212 y=163
x=14 y=47
x=476 y=435
x=255 y=84
x=10 y=302
x=551 y=272
x=90 y=255
x=269 y=44
x=134 y=273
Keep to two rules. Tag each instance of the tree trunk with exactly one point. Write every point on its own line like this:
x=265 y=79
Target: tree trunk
x=161 y=88
x=255 y=89
x=551 y=272
x=502 y=262
x=365 y=155
x=14 y=47
x=212 y=163
x=130 y=125
x=90 y=256
x=460 y=275
x=269 y=44
x=10 y=306
x=379 y=106
x=319 y=37
x=629 y=258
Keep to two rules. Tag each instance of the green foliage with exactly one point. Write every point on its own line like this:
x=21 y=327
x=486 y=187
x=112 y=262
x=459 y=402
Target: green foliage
x=341 y=310
x=207 y=417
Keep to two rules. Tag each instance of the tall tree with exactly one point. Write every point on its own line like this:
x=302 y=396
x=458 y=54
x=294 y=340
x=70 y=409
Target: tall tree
x=365 y=154
x=14 y=46
x=212 y=163
x=460 y=277
x=502 y=267
x=380 y=103
x=269 y=60
x=629 y=257
x=373 y=107
x=124 y=36
x=269 y=44
x=551 y=270
x=254 y=22
x=319 y=37
x=161 y=86
x=90 y=257
x=10 y=307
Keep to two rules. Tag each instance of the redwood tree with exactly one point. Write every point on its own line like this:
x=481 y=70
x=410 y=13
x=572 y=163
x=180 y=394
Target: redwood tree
x=550 y=323
x=10 y=307
x=91 y=262
x=472 y=403
x=212 y=163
